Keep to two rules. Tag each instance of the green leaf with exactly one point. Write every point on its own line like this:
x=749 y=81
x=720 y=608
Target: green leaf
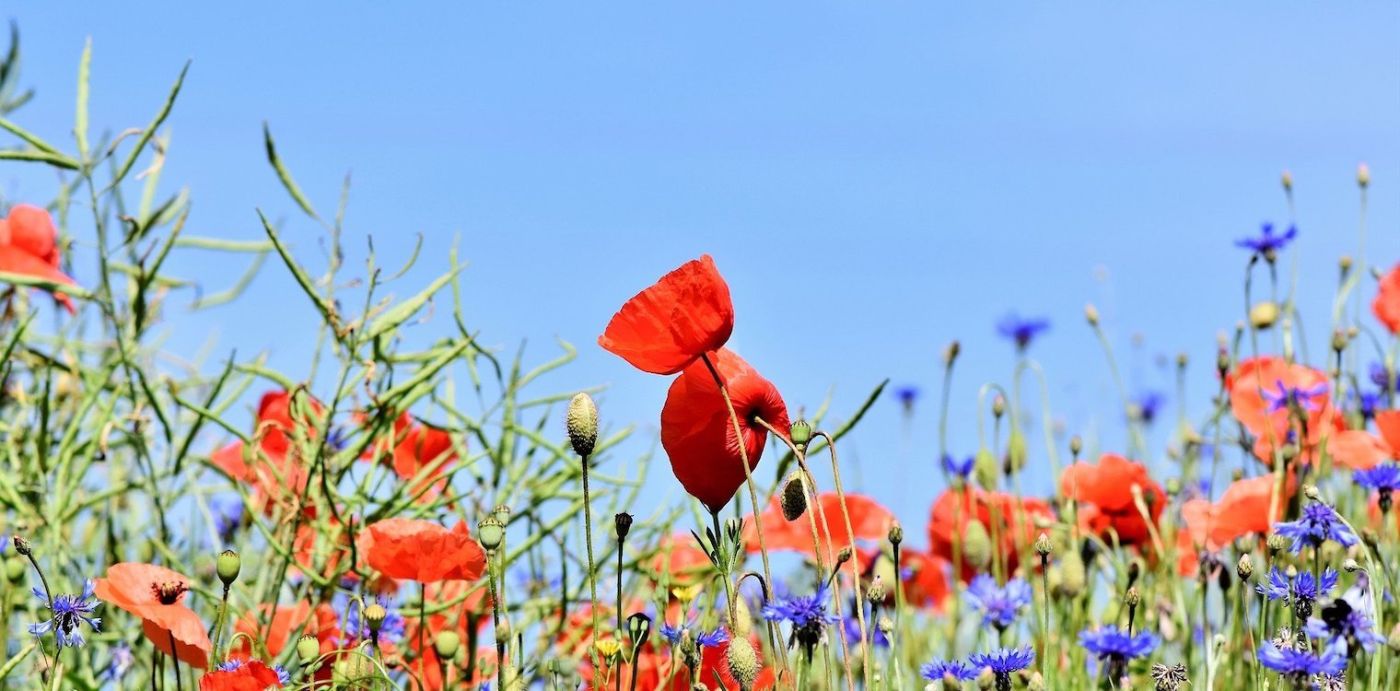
x=38 y=157
x=80 y=118
x=33 y=139
x=401 y=312
x=298 y=273
x=285 y=176
x=46 y=284
x=150 y=130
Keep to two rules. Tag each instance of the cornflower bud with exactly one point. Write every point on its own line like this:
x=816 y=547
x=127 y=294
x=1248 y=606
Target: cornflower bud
x=22 y=546
x=896 y=534
x=998 y=405
x=875 y=592
x=1287 y=179
x=1091 y=314
x=1075 y=446
x=1244 y=568
x=1044 y=547
x=950 y=353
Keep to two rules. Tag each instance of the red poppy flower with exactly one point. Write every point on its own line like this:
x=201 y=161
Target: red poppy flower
x=1357 y=449
x=276 y=471
x=413 y=448
x=251 y=675
x=666 y=327
x=869 y=521
x=698 y=435
x=28 y=247
x=1388 y=424
x=1258 y=390
x=422 y=551
x=1108 y=485
x=1013 y=518
x=153 y=593
x=679 y=561
x=288 y=623
x=1242 y=510
x=1387 y=303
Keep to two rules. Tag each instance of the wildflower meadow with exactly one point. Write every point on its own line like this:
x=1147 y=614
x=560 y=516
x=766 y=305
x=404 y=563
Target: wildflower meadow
x=400 y=514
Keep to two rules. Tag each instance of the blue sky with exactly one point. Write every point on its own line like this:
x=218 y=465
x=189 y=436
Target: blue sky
x=873 y=181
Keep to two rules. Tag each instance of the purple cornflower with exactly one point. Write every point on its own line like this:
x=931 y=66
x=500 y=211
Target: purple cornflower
x=674 y=634
x=1022 y=331
x=122 y=660
x=1115 y=645
x=69 y=611
x=851 y=626
x=1341 y=623
x=1382 y=478
x=1387 y=380
x=1149 y=403
x=1319 y=524
x=1003 y=662
x=938 y=670
x=1301 y=592
x=907 y=395
x=1368 y=402
x=956 y=467
x=806 y=613
x=1298 y=665
x=999 y=605
x=1267 y=243
x=1286 y=397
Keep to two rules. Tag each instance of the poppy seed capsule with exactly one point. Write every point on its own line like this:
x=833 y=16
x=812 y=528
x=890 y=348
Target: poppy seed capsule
x=490 y=532
x=799 y=433
x=743 y=662
x=308 y=649
x=1263 y=314
x=445 y=644
x=227 y=566
x=622 y=524
x=794 y=499
x=582 y=423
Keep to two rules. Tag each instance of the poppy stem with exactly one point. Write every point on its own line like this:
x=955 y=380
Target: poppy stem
x=855 y=558
x=753 y=495
x=592 y=573
x=175 y=660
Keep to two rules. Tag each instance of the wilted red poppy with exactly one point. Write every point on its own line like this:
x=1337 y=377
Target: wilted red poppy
x=154 y=594
x=276 y=469
x=1386 y=306
x=869 y=521
x=422 y=551
x=28 y=247
x=1013 y=518
x=1108 y=485
x=698 y=435
x=249 y=675
x=412 y=448
x=666 y=327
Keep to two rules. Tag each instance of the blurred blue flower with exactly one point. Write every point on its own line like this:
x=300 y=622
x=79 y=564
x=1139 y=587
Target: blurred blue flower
x=1149 y=403
x=1340 y=623
x=1022 y=331
x=802 y=610
x=1112 y=643
x=938 y=669
x=1318 y=524
x=390 y=630
x=956 y=467
x=999 y=605
x=1382 y=478
x=1267 y=242
x=704 y=639
x=69 y=611
x=1003 y=661
x=907 y=395
x=1301 y=664
x=1388 y=381
x=122 y=660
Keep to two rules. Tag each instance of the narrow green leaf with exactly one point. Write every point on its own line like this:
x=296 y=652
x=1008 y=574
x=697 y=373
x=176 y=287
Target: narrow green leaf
x=285 y=176
x=46 y=284
x=33 y=139
x=300 y=275
x=150 y=129
x=38 y=157
x=80 y=118
x=219 y=244
x=401 y=312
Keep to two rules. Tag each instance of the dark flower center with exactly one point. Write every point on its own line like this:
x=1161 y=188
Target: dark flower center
x=169 y=592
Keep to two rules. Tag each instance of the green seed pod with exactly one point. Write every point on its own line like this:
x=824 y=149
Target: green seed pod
x=743 y=662
x=227 y=566
x=800 y=432
x=582 y=423
x=374 y=616
x=794 y=498
x=445 y=644
x=490 y=532
x=308 y=649
x=977 y=545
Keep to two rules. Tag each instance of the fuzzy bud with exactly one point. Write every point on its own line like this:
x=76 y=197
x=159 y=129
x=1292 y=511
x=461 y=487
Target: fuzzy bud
x=582 y=423
x=1276 y=543
x=875 y=592
x=227 y=566
x=490 y=532
x=743 y=662
x=977 y=545
x=1350 y=566
x=984 y=468
x=1132 y=597
x=794 y=498
x=1015 y=452
x=22 y=546
x=844 y=556
x=1091 y=314
x=1072 y=575
x=998 y=405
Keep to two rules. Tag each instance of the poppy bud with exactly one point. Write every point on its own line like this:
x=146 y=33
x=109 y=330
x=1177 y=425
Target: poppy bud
x=1263 y=314
x=896 y=534
x=582 y=423
x=794 y=498
x=799 y=433
x=1363 y=175
x=445 y=644
x=743 y=618
x=308 y=649
x=490 y=532
x=1287 y=180
x=977 y=545
x=1075 y=446
x=843 y=556
x=743 y=662
x=227 y=566
x=1091 y=314
x=1245 y=568
x=998 y=405
x=1173 y=486
x=1015 y=452
x=950 y=353
x=984 y=468
x=375 y=615
x=22 y=546
x=622 y=524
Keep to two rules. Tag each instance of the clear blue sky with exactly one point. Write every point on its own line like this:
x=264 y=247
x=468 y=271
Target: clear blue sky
x=873 y=181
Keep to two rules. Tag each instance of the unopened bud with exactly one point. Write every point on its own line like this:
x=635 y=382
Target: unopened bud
x=227 y=566
x=1015 y=452
x=1350 y=566
x=1072 y=575
x=582 y=423
x=22 y=546
x=998 y=405
x=794 y=498
x=1043 y=546
x=1276 y=543
x=1263 y=314
x=984 y=468
x=1287 y=180
x=1244 y=568
x=844 y=556
x=743 y=662
x=875 y=592
x=622 y=524
x=896 y=534
x=1132 y=597
x=1076 y=444
x=1311 y=492
x=490 y=532
x=950 y=353
x=1363 y=175
x=799 y=433
x=445 y=644
x=1091 y=314
x=977 y=545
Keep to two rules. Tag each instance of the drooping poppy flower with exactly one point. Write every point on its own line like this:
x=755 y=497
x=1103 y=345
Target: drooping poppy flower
x=668 y=326
x=280 y=626
x=698 y=434
x=1012 y=518
x=870 y=521
x=1107 y=485
x=414 y=448
x=154 y=593
x=276 y=470
x=241 y=675
x=422 y=551
x=1386 y=306
x=28 y=247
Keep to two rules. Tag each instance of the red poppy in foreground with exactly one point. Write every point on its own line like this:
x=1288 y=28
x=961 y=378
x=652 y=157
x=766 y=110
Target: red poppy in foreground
x=698 y=434
x=154 y=594
x=1386 y=306
x=28 y=247
x=1108 y=486
x=1011 y=517
x=666 y=327
x=869 y=521
x=414 y=448
x=276 y=469
x=422 y=551
x=251 y=675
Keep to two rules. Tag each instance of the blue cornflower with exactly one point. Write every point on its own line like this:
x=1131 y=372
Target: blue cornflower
x=1022 y=331
x=1308 y=588
x=907 y=394
x=1286 y=397
x=1368 y=402
x=228 y=515
x=337 y=439
x=1149 y=403
x=1383 y=378
x=1113 y=644
x=1301 y=592
x=1319 y=524
x=1003 y=662
x=122 y=660
x=1382 y=478
x=961 y=468
x=1341 y=623
x=1300 y=664
x=938 y=670
x=674 y=634
x=283 y=676
x=1267 y=243
x=68 y=612
x=806 y=613
x=999 y=605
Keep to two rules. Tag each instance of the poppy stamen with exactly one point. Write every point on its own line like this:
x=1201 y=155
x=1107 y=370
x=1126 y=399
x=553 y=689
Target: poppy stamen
x=169 y=592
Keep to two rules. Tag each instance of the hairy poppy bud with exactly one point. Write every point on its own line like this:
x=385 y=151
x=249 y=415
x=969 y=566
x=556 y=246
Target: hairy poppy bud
x=582 y=423
x=490 y=532
x=1245 y=568
x=445 y=644
x=1091 y=314
x=977 y=545
x=950 y=353
x=799 y=433
x=984 y=468
x=896 y=534
x=622 y=524
x=1173 y=487
x=1363 y=175
x=1263 y=314
x=794 y=498
x=308 y=649
x=743 y=662
x=1015 y=452
x=743 y=618
x=22 y=546
x=1350 y=566
x=1072 y=574
x=227 y=566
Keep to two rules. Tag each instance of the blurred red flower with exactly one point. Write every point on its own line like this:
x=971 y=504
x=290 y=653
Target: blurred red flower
x=28 y=247
x=666 y=327
x=251 y=675
x=1258 y=390
x=412 y=448
x=1107 y=486
x=869 y=521
x=154 y=594
x=279 y=626
x=1242 y=510
x=698 y=435
x=276 y=471
x=422 y=551
x=1013 y=518
x=1386 y=306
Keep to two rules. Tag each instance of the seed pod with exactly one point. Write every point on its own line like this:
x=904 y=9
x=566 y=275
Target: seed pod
x=799 y=433
x=977 y=545
x=622 y=524
x=445 y=644
x=490 y=532
x=1263 y=314
x=308 y=649
x=227 y=566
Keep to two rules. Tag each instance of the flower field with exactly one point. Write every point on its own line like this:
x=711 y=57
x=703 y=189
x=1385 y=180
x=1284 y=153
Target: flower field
x=372 y=520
